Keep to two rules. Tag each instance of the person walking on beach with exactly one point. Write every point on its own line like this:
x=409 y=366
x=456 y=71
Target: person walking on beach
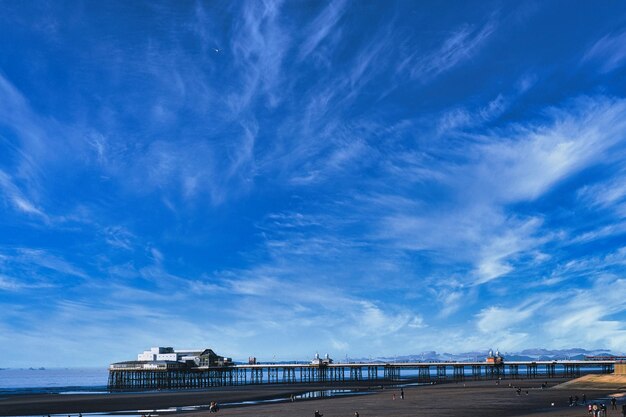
x=584 y=399
x=213 y=408
x=623 y=410
x=393 y=395
x=613 y=403
x=317 y=414
x=402 y=393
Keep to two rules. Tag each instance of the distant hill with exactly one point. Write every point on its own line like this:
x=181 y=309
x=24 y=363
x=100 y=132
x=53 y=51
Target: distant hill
x=537 y=354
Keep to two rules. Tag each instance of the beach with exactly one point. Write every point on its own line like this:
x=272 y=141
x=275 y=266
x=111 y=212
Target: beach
x=470 y=398
x=483 y=398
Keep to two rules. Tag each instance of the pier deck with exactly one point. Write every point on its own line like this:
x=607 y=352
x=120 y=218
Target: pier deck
x=135 y=376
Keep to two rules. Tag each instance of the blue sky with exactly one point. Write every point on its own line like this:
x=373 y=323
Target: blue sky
x=283 y=178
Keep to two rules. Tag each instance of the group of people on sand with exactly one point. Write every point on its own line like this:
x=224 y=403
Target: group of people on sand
x=573 y=401
x=393 y=396
x=596 y=409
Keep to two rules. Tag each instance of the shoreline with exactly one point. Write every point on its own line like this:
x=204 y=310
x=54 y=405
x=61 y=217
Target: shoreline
x=44 y=403
x=484 y=398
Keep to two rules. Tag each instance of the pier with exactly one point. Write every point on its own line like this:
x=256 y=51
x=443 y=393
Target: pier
x=136 y=376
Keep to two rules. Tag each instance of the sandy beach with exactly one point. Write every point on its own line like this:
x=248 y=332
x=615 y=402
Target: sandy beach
x=451 y=399
x=472 y=398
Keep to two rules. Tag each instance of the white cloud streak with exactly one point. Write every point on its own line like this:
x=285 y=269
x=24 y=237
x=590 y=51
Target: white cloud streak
x=610 y=51
x=607 y=195
x=590 y=316
x=17 y=198
x=460 y=46
x=321 y=27
x=506 y=168
x=258 y=50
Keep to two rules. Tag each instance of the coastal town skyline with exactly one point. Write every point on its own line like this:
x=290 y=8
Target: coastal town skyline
x=276 y=179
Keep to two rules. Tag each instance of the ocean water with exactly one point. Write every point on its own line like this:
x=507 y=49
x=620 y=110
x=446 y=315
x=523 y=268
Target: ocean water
x=94 y=380
x=53 y=380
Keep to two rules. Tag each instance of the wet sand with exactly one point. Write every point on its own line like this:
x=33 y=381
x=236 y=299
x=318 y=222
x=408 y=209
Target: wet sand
x=43 y=404
x=472 y=398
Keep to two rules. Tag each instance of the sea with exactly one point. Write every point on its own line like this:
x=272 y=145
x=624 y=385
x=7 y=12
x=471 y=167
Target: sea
x=88 y=380
x=94 y=381
x=53 y=380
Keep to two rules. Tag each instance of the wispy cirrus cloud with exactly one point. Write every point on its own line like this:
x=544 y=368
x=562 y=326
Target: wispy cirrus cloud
x=100 y=323
x=119 y=237
x=258 y=48
x=609 y=195
x=461 y=118
x=27 y=269
x=48 y=261
x=15 y=285
x=609 y=52
x=278 y=295
x=192 y=171
x=460 y=46
x=579 y=318
x=17 y=198
x=497 y=318
x=534 y=160
x=495 y=254
x=505 y=167
x=17 y=117
x=611 y=230
x=474 y=230
x=322 y=27
x=570 y=322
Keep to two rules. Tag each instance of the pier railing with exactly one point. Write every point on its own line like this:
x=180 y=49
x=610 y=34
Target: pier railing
x=138 y=377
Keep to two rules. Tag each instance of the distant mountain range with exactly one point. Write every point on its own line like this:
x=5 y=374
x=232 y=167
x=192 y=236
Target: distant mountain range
x=537 y=354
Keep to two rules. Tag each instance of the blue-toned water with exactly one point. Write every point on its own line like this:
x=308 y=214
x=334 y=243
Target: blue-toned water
x=54 y=380
x=89 y=380
x=93 y=380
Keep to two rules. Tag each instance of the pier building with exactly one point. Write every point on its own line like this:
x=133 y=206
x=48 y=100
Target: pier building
x=204 y=357
x=167 y=358
x=494 y=358
x=321 y=362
